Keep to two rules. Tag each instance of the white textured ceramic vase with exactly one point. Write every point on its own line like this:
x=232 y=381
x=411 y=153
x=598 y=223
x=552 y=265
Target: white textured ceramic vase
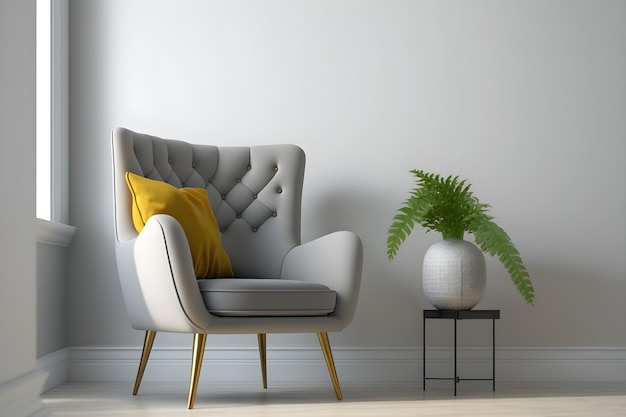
x=454 y=275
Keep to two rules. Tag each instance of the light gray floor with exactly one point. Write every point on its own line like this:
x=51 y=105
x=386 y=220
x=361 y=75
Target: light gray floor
x=474 y=399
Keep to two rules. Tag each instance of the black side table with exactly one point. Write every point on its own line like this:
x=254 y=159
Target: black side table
x=461 y=315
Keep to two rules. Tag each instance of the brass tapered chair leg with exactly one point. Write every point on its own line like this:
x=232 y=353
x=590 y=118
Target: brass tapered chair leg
x=145 y=354
x=262 y=355
x=328 y=355
x=199 y=341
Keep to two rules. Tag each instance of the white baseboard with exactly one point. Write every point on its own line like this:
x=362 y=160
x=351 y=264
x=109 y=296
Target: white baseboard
x=20 y=397
x=362 y=365
x=56 y=366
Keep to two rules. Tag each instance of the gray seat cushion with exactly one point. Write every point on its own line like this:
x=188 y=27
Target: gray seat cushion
x=266 y=297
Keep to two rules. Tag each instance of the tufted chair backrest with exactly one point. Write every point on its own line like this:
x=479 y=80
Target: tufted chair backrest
x=255 y=193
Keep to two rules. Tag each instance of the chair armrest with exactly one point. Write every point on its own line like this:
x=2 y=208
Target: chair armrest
x=335 y=260
x=167 y=279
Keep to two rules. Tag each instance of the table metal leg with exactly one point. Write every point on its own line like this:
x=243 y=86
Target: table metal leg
x=456 y=375
x=424 y=352
x=493 y=355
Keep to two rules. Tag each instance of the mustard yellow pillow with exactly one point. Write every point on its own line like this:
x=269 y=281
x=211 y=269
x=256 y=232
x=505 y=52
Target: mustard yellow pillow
x=191 y=207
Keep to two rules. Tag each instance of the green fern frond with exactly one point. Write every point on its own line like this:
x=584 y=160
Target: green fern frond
x=400 y=229
x=492 y=239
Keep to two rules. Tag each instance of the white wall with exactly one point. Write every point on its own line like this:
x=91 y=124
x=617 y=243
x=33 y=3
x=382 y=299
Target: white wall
x=524 y=98
x=52 y=298
x=17 y=240
x=20 y=383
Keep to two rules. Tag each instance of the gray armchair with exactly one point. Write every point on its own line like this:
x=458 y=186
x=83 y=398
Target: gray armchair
x=280 y=285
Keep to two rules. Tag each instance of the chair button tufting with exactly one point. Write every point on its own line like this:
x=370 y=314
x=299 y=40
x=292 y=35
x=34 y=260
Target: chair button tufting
x=238 y=180
x=170 y=161
x=222 y=229
x=254 y=230
x=279 y=190
x=249 y=167
x=193 y=165
x=274 y=214
x=238 y=216
x=223 y=197
x=256 y=196
x=275 y=168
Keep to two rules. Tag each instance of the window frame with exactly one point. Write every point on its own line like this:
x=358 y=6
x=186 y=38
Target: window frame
x=55 y=230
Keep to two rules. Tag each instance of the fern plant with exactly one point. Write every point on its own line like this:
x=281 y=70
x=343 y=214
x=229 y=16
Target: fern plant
x=447 y=206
